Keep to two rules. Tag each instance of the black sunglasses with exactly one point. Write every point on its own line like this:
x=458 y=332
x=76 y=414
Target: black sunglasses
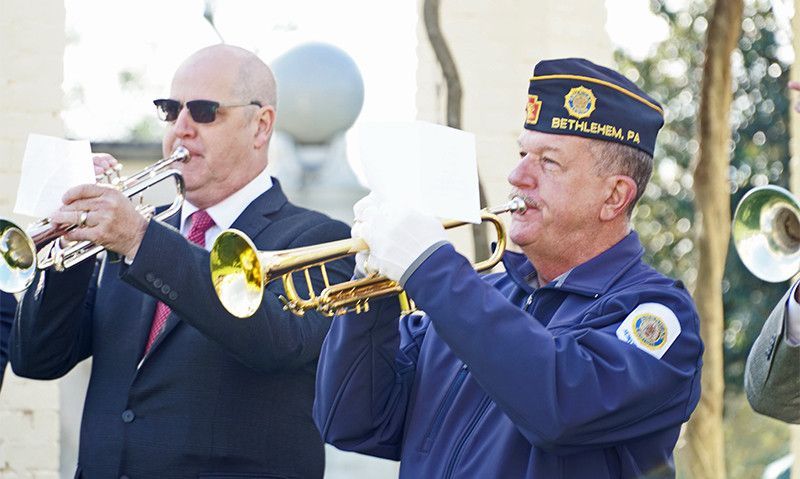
x=202 y=111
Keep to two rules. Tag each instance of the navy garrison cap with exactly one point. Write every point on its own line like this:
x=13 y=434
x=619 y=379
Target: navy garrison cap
x=573 y=96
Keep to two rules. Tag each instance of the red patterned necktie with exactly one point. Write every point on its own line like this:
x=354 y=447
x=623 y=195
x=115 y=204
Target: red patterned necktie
x=201 y=222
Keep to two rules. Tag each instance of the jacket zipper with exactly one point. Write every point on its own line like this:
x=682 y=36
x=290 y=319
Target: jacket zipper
x=438 y=418
x=482 y=407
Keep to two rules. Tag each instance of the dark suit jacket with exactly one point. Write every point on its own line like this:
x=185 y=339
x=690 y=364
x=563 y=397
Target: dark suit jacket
x=216 y=396
x=772 y=373
x=8 y=304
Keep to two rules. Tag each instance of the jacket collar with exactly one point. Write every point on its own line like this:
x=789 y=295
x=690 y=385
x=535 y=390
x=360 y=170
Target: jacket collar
x=256 y=216
x=266 y=204
x=592 y=278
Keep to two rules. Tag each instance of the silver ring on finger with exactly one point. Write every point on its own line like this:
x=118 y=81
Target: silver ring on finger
x=82 y=218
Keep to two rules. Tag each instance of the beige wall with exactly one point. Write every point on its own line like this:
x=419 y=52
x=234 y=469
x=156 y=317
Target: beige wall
x=31 y=63
x=495 y=46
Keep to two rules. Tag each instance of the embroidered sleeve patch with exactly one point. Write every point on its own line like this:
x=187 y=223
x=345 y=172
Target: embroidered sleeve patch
x=651 y=327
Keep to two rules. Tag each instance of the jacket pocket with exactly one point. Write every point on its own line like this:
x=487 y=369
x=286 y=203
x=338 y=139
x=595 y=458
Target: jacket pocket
x=444 y=406
x=465 y=436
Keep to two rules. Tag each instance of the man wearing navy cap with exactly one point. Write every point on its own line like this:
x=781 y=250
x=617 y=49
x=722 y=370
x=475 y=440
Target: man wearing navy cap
x=579 y=361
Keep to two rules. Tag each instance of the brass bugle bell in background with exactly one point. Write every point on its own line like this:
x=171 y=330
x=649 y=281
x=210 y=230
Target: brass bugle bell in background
x=766 y=233
x=240 y=272
x=39 y=246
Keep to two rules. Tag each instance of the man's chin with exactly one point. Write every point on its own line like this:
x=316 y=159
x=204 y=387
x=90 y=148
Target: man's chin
x=522 y=238
x=190 y=195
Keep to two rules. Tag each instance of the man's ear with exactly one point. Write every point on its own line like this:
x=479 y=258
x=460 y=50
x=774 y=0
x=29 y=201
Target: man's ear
x=620 y=193
x=266 y=122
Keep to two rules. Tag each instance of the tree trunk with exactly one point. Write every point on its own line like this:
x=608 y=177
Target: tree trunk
x=706 y=448
x=430 y=13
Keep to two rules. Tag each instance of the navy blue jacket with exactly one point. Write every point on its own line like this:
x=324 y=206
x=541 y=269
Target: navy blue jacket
x=216 y=396
x=8 y=304
x=500 y=380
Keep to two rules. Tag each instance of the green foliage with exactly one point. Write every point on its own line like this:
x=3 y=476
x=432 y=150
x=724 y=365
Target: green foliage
x=665 y=217
x=129 y=80
x=752 y=441
x=147 y=129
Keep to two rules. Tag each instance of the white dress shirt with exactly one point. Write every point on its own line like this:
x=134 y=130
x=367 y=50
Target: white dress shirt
x=226 y=211
x=793 y=319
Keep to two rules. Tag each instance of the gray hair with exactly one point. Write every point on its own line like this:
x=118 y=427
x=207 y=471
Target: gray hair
x=613 y=158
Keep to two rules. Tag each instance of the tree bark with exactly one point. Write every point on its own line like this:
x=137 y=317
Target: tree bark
x=705 y=438
x=430 y=14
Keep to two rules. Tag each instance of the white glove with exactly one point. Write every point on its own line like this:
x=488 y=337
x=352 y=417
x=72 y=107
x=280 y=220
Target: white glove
x=366 y=206
x=396 y=235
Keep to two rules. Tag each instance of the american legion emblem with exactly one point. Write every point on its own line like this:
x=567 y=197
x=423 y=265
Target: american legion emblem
x=533 y=109
x=651 y=327
x=650 y=330
x=580 y=102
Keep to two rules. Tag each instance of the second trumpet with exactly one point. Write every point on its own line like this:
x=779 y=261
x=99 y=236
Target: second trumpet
x=240 y=272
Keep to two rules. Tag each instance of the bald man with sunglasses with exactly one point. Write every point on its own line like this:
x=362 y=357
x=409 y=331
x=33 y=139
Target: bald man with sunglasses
x=179 y=387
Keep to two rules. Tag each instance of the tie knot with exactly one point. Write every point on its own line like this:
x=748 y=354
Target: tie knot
x=201 y=222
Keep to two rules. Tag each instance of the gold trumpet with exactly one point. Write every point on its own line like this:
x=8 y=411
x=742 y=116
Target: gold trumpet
x=240 y=272
x=766 y=233
x=39 y=246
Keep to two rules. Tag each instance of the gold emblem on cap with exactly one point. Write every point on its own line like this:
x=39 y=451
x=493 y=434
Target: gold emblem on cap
x=580 y=102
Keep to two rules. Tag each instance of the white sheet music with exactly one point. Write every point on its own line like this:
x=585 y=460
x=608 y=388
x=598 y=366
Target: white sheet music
x=429 y=167
x=50 y=167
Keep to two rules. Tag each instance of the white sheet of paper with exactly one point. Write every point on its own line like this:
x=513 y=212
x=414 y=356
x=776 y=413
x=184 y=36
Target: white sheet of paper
x=431 y=168
x=50 y=167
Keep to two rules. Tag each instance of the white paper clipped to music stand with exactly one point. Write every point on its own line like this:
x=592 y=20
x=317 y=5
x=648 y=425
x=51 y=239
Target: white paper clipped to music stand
x=431 y=168
x=50 y=167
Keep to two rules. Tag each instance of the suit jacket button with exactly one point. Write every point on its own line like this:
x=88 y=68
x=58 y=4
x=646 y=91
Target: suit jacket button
x=157 y=282
x=165 y=289
x=173 y=295
x=150 y=277
x=128 y=416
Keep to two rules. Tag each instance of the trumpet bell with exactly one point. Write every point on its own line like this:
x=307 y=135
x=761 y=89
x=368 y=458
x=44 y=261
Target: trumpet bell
x=766 y=233
x=236 y=273
x=17 y=258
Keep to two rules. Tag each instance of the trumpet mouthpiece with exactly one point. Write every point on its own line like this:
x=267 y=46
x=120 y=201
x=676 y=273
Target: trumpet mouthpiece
x=517 y=205
x=181 y=153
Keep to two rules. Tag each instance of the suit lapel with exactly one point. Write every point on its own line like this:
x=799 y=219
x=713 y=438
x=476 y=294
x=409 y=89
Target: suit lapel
x=252 y=221
x=257 y=215
x=149 y=307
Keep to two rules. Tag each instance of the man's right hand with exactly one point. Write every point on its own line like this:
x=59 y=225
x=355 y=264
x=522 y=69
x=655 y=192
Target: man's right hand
x=103 y=214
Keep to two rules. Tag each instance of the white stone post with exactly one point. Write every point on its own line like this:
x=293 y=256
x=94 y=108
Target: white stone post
x=32 y=43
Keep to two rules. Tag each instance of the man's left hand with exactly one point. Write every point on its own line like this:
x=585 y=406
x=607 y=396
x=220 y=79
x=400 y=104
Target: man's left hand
x=396 y=235
x=104 y=216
